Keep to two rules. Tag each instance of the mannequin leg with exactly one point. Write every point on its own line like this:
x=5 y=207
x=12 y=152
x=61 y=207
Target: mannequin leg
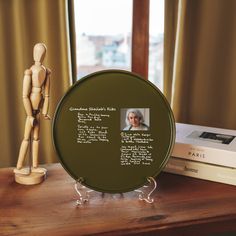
x=35 y=143
x=24 y=144
x=35 y=148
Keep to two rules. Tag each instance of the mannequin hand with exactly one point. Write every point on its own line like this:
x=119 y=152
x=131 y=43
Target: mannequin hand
x=46 y=117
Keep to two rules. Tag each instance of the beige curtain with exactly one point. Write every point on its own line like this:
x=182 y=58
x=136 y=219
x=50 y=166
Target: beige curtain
x=199 y=61
x=24 y=23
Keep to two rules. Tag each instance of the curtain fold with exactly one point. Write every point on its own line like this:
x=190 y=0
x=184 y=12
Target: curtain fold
x=72 y=39
x=23 y=24
x=199 y=56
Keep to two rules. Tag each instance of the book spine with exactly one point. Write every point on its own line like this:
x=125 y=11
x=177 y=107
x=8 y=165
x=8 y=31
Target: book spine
x=205 y=154
x=201 y=171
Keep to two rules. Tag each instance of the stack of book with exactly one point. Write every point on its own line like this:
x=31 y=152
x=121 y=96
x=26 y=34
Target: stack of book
x=204 y=153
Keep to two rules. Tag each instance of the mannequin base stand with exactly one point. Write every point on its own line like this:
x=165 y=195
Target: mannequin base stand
x=144 y=192
x=31 y=178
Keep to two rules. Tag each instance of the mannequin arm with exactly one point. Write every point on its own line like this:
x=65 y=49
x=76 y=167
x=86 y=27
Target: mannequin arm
x=46 y=94
x=26 y=92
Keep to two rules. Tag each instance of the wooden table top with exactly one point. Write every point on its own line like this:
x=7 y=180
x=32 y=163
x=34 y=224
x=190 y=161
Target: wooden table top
x=183 y=206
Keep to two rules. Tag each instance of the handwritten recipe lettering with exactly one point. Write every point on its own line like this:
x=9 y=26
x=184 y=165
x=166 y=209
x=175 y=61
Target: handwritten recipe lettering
x=94 y=126
x=136 y=148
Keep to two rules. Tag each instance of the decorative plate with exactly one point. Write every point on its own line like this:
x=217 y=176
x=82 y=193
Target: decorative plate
x=113 y=130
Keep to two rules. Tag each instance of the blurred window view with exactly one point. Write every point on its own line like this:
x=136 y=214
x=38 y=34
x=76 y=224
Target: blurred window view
x=103 y=32
x=103 y=36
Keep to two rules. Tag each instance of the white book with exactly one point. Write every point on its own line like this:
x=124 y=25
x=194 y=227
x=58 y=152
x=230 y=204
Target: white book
x=201 y=170
x=205 y=144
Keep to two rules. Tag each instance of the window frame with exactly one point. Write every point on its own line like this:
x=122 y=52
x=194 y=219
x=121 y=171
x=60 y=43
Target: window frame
x=140 y=38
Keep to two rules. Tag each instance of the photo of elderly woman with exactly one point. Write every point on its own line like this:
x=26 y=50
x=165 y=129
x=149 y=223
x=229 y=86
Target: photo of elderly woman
x=135 y=119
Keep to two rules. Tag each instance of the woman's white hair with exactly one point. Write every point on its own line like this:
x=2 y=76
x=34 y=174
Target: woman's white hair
x=137 y=112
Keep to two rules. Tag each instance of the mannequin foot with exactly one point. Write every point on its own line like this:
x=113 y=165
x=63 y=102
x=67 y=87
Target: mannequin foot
x=22 y=171
x=38 y=170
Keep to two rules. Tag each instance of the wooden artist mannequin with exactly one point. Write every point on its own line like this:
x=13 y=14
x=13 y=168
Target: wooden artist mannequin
x=36 y=85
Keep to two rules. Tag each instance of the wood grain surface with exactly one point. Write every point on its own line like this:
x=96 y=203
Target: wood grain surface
x=140 y=39
x=183 y=206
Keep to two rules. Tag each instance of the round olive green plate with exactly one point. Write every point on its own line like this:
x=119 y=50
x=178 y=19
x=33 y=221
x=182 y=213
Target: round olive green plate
x=89 y=135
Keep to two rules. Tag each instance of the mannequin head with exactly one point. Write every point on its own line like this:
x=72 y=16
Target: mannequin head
x=39 y=52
